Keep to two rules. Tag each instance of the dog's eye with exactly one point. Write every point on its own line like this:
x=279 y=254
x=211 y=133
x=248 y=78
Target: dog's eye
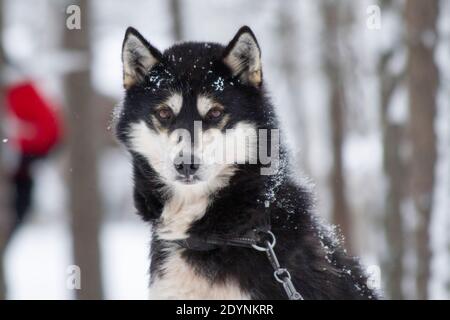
x=215 y=113
x=165 y=113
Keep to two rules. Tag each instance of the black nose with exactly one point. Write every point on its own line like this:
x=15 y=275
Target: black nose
x=187 y=169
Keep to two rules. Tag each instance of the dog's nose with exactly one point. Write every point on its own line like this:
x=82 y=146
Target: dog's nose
x=187 y=169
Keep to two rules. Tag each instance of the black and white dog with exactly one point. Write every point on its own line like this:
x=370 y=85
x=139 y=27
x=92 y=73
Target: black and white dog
x=211 y=178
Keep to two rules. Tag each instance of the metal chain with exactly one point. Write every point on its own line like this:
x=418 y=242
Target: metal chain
x=281 y=275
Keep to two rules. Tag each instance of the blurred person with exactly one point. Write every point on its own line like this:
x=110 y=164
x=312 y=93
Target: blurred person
x=37 y=130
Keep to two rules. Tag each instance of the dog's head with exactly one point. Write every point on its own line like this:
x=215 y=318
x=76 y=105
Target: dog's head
x=193 y=111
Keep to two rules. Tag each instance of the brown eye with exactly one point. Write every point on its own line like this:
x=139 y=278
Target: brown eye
x=215 y=113
x=165 y=113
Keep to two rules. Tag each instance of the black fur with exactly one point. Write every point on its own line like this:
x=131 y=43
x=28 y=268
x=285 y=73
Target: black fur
x=319 y=266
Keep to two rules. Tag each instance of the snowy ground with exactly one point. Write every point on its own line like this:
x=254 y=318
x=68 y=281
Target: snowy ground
x=38 y=258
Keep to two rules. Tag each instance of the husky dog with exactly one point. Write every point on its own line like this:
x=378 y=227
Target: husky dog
x=182 y=108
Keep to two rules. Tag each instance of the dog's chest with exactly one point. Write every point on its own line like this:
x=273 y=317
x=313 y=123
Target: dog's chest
x=179 y=213
x=176 y=279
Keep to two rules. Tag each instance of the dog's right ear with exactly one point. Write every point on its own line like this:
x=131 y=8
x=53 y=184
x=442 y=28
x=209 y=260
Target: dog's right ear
x=138 y=57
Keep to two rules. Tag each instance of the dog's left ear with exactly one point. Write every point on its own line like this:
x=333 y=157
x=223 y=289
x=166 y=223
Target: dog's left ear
x=138 y=57
x=243 y=57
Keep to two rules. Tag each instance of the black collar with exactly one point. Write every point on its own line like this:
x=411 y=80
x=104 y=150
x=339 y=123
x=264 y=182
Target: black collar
x=252 y=238
x=256 y=236
x=258 y=239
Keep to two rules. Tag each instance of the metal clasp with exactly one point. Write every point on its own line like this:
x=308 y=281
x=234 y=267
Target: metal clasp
x=281 y=275
x=267 y=244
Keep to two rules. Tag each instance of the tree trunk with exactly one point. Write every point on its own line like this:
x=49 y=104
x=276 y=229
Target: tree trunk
x=394 y=169
x=423 y=80
x=85 y=198
x=394 y=164
x=177 y=21
x=332 y=60
x=5 y=190
x=289 y=64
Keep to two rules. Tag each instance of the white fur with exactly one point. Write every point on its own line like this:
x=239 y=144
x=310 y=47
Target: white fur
x=175 y=102
x=187 y=205
x=188 y=202
x=218 y=152
x=154 y=146
x=238 y=145
x=204 y=104
x=178 y=280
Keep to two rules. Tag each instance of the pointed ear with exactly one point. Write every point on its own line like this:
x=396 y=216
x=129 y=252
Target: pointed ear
x=243 y=57
x=138 y=57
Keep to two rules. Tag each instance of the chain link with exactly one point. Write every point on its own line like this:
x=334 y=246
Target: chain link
x=281 y=275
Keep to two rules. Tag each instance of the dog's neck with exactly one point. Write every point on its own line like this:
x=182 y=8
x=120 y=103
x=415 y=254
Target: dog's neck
x=179 y=212
x=206 y=211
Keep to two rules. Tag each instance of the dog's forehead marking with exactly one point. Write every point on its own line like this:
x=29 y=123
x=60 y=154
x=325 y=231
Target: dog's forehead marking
x=175 y=102
x=204 y=104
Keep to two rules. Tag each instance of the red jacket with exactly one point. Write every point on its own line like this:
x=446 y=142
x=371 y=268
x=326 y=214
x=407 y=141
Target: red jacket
x=45 y=129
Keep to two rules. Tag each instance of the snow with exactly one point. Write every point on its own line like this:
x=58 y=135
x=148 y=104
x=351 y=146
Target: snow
x=398 y=109
x=126 y=249
x=37 y=261
x=218 y=85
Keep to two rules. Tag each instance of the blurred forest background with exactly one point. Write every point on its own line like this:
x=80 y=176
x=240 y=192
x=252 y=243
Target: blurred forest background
x=362 y=89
